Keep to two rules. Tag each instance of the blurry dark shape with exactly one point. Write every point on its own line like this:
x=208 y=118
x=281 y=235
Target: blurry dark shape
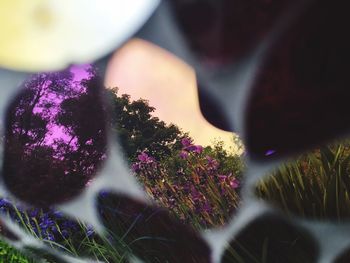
x=223 y=31
x=150 y=232
x=212 y=110
x=273 y=240
x=301 y=94
x=55 y=137
x=344 y=257
x=7 y=233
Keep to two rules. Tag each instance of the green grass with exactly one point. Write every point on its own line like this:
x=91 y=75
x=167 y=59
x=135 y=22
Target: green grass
x=316 y=185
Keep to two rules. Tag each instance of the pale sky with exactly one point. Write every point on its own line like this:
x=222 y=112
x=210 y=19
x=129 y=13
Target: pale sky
x=146 y=71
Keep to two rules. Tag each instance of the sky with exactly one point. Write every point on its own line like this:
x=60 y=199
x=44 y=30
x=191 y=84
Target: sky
x=146 y=71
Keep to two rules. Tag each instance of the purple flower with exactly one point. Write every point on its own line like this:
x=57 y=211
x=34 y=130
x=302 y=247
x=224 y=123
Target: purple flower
x=207 y=207
x=212 y=164
x=186 y=142
x=194 y=148
x=135 y=167
x=198 y=149
x=234 y=183
x=143 y=157
x=46 y=222
x=5 y=202
x=194 y=193
x=50 y=237
x=58 y=214
x=183 y=155
x=34 y=212
x=222 y=177
x=90 y=231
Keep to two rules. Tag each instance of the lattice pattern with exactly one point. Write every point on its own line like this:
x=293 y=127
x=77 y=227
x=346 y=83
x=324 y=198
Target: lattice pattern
x=300 y=48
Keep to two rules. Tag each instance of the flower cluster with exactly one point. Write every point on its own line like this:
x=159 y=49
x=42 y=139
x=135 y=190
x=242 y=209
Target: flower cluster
x=144 y=161
x=46 y=224
x=192 y=184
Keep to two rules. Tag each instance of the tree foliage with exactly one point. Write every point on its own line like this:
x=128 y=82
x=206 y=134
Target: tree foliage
x=139 y=131
x=55 y=137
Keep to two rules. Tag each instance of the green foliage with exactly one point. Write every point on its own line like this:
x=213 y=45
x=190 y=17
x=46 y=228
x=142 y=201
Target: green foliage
x=138 y=130
x=316 y=185
x=10 y=255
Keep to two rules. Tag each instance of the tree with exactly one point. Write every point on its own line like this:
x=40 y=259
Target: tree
x=55 y=137
x=139 y=131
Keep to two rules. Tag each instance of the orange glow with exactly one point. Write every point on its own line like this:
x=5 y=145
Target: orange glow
x=146 y=71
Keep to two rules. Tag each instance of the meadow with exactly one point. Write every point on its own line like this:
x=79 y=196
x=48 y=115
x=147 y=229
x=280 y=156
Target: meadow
x=200 y=187
x=193 y=187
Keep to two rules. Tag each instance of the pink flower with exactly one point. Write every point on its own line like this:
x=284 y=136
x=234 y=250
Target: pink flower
x=143 y=157
x=234 y=183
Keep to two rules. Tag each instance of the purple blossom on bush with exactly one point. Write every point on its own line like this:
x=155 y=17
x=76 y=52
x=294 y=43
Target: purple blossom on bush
x=135 y=167
x=234 y=183
x=194 y=193
x=183 y=155
x=194 y=148
x=207 y=207
x=144 y=158
x=186 y=142
x=222 y=177
x=212 y=164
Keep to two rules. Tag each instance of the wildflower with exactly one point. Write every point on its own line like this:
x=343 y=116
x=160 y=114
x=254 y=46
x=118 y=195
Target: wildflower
x=58 y=214
x=4 y=202
x=206 y=207
x=144 y=158
x=194 y=193
x=46 y=222
x=234 y=183
x=222 y=178
x=212 y=164
x=186 y=142
x=194 y=148
x=135 y=167
x=183 y=155
x=50 y=237
x=198 y=149
x=34 y=212
x=90 y=231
